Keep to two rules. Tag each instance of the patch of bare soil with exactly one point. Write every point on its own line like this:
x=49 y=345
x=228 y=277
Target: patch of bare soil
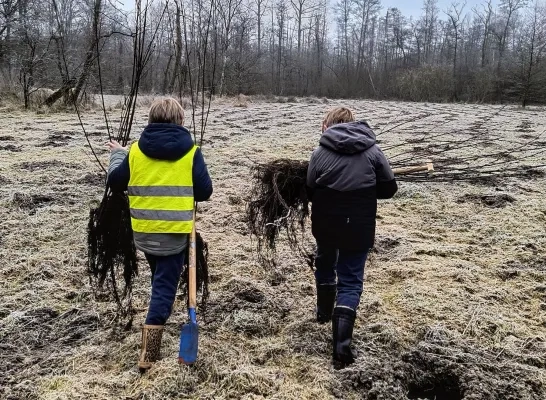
x=26 y=340
x=454 y=301
x=445 y=368
x=531 y=173
x=34 y=166
x=489 y=200
x=10 y=147
x=247 y=309
x=26 y=201
x=6 y=138
x=525 y=126
x=92 y=179
x=32 y=202
x=56 y=140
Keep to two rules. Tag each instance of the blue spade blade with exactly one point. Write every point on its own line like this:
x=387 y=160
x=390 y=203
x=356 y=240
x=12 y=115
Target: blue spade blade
x=189 y=339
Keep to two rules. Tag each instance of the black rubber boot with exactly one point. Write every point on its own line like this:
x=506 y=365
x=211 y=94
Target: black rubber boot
x=342 y=327
x=326 y=298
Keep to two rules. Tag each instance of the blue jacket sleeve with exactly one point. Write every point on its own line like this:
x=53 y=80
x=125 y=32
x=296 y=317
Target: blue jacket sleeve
x=202 y=184
x=118 y=177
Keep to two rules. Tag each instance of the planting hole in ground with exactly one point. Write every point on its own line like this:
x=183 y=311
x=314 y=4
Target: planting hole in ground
x=436 y=387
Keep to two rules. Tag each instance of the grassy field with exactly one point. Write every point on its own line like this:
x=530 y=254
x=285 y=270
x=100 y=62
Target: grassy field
x=454 y=305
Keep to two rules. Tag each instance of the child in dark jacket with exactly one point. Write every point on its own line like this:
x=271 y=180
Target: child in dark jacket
x=164 y=174
x=347 y=173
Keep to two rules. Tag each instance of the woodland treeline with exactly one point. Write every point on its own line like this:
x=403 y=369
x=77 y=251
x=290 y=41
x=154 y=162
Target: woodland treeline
x=344 y=48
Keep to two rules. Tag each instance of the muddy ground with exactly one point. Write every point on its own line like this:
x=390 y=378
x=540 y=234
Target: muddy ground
x=454 y=305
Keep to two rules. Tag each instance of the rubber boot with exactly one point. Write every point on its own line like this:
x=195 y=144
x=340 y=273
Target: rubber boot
x=342 y=327
x=326 y=298
x=151 y=346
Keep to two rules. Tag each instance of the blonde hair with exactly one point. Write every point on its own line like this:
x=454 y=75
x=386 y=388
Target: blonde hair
x=338 y=115
x=166 y=110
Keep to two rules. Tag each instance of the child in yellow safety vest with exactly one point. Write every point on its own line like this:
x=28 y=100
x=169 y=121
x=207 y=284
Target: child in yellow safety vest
x=164 y=174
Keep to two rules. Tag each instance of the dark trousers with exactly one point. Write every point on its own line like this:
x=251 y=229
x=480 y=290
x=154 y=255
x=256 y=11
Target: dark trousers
x=349 y=265
x=165 y=276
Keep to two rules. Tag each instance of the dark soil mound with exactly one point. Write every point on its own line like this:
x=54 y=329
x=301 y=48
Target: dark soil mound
x=33 y=166
x=493 y=200
x=38 y=342
x=31 y=201
x=246 y=308
x=91 y=180
x=10 y=147
x=445 y=369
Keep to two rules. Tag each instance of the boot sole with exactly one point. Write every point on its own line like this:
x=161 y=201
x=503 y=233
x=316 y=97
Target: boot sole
x=144 y=365
x=341 y=364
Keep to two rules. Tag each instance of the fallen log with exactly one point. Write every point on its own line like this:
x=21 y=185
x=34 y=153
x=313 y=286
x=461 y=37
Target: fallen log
x=64 y=91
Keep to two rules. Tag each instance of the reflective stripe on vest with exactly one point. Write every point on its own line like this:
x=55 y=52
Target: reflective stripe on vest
x=161 y=193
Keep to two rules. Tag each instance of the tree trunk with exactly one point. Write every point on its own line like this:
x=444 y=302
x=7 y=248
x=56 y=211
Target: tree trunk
x=166 y=86
x=529 y=71
x=90 y=56
x=223 y=74
x=259 y=28
x=178 y=52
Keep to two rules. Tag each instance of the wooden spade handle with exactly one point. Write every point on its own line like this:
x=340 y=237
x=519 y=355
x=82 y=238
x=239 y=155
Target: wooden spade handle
x=417 y=168
x=192 y=278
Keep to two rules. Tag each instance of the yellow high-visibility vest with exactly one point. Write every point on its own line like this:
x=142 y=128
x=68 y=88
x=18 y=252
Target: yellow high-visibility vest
x=161 y=193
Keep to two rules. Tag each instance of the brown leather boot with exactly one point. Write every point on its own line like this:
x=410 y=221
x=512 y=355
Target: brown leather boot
x=151 y=346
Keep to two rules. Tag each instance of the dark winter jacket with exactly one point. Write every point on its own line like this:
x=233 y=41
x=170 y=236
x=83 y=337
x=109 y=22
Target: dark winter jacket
x=347 y=173
x=162 y=142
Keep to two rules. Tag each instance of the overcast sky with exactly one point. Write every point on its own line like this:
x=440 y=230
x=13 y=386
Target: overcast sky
x=408 y=7
x=414 y=8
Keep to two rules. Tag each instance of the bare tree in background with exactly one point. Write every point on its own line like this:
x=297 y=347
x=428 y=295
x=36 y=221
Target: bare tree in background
x=368 y=11
x=30 y=56
x=8 y=14
x=303 y=9
x=179 y=70
x=260 y=11
x=455 y=14
x=92 y=46
x=484 y=16
x=501 y=31
x=344 y=12
x=430 y=19
x=531 y=49
x=228 y=10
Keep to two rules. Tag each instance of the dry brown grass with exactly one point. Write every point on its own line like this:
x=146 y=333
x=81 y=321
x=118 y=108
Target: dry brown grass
x=241 y=101
x=454 y=297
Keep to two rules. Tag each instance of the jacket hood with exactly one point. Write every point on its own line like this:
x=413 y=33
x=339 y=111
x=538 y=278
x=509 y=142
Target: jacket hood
x=165 y=141
x=348 y=138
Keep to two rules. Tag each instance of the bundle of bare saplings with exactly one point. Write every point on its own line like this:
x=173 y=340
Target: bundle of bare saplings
x=279 y=202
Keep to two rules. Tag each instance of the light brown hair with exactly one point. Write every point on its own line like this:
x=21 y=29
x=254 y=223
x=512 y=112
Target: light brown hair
x=167 y=111
x=338 y=115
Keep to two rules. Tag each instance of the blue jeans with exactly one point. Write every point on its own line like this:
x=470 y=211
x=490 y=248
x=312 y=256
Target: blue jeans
x=165 y=276
x=349 y=266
